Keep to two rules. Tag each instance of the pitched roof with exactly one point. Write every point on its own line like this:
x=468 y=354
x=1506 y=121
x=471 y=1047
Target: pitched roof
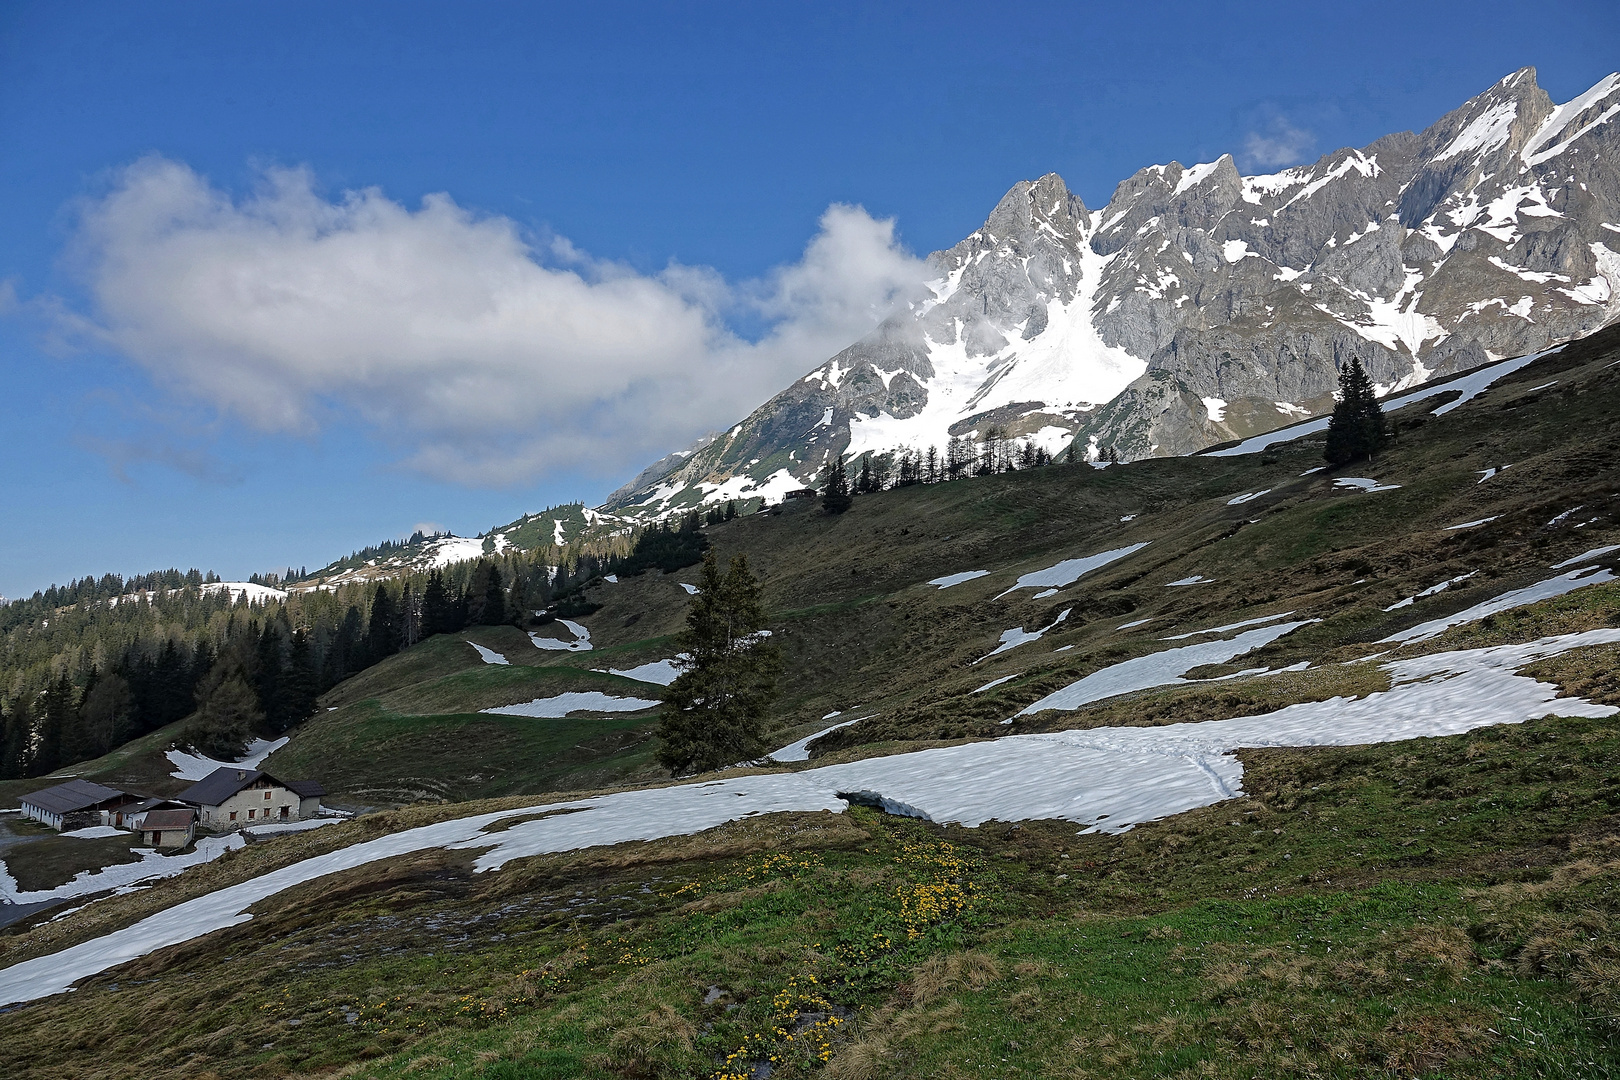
x=224 y=782
x=167 y=819
x=220 y=785
x=71 y=796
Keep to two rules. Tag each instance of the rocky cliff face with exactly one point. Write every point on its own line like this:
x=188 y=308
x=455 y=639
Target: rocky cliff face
x=1200 y=305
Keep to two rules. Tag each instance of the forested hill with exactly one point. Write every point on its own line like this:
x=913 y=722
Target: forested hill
x=86 y=667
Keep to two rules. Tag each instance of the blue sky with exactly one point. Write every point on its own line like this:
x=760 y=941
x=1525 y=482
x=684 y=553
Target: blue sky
x=662 y=199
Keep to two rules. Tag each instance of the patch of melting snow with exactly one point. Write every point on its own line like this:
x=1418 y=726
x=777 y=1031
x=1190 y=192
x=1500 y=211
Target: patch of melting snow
x=1163 y=668
x=96 y=832
x=800 y=750
x=1011 y=639
x=997 y=682
x=1128 y=517
x=1363 y=483
x=490 y=656
x=611 y=579
x=1196 y=579
x=1432 y=590
x=1237 y=500
x=195 y=766
x=1069 y=571
x=691 y=590
x=956 y=579
x=1564 y=516
x=1318 y=469
x=1586 y=556
x=1224 y=629
x=1138 y=622
x=581 y=642
x=1471 y=524
x=560 y=705
x=835 y=712
x=661 y=672
x=1541 y=590
x=152 y=865
x=1106 y=779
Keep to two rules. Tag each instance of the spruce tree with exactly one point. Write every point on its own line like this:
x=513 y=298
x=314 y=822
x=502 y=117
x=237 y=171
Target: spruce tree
x=382 y=629
x=1356 y=430
x=436 y=606
x=715 y=710
x=835 y=497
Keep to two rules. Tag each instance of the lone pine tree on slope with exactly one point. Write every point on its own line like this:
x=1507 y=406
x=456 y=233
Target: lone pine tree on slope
x=1356 y=429
x=716 y=707
x=835 y=498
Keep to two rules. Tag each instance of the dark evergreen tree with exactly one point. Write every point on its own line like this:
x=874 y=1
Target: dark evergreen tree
x=437 y=609
x=865 y=483
x=835 y=498
x=14 y=730
x=731 y=509
x=228 y=713
x=343 y=656
x=107 y=716
x=297 y=700
x=57 y=716
x=382 y=628
x=715 y=710
x=1356 y=429
x=486 y=596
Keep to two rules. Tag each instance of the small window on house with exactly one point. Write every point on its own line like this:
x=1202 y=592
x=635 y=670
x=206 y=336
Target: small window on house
x=267 y=796
x=233 y=815
x=251 y=813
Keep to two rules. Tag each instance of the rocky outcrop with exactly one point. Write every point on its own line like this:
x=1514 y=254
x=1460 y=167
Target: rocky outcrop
x=1200 y=305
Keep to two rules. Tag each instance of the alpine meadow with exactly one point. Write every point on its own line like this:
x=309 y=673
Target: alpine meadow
x=1178 y=639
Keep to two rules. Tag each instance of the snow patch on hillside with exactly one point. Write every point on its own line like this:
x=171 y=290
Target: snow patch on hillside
x=1106 y=779
x=194 y=767
x=561 y=705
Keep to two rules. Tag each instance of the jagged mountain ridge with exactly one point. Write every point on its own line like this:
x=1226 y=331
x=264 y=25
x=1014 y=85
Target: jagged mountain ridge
x=1200 y=305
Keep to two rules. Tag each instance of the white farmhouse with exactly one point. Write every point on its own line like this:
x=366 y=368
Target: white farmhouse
x=230 y=798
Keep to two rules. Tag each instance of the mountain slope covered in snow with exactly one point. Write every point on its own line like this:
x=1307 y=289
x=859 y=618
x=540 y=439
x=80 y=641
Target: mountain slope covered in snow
x=1200 y=305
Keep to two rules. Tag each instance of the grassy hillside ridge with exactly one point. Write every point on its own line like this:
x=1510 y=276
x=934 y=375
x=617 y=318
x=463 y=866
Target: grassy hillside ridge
x=860 y=627
x=1439 y=906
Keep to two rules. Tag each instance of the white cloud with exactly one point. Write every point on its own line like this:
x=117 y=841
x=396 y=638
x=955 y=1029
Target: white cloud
x=477 y=357
x=1281 y=144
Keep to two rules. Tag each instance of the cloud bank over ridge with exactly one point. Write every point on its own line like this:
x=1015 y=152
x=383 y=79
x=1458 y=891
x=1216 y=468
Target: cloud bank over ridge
x=474 y=353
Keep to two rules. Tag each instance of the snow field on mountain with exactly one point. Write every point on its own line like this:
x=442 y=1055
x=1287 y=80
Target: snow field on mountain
x=799 y=750
x=1541 y=590
x=188 y=766
x=956 y=579
x=661 y=672
x=1066 y=365
x=581 y=642
x=489 y=656
x=121 y=876
x=560 y=705
x=1069 y=571
x=1011 y=639
x=1163 y=668
x=1107 y=779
